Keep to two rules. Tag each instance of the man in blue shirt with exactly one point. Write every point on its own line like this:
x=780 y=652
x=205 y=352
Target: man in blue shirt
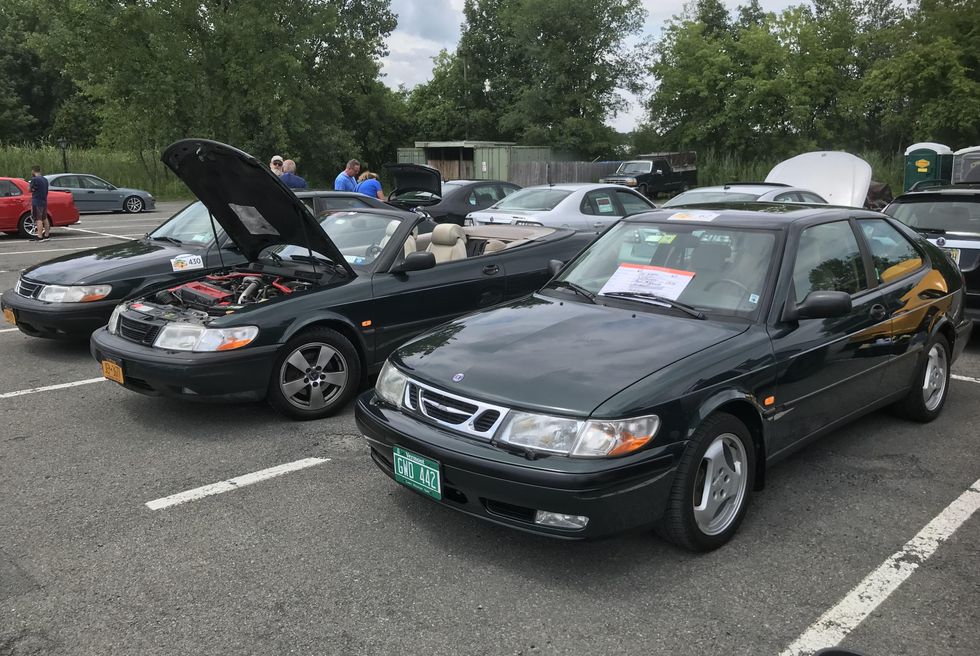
x=289 y=176
x=39 y=204
x=347 y=179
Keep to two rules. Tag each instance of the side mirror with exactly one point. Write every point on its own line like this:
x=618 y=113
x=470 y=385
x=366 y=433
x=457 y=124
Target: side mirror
x=820 y=305
x=554 y=266
x=659 y=172
x=417 y=261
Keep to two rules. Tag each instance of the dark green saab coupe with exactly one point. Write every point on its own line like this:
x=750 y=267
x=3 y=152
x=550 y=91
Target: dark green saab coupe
x=319 y=304
x=659 y=375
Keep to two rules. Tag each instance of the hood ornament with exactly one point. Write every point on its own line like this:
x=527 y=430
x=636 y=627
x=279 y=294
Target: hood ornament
x=941 y=241
x=457 y=378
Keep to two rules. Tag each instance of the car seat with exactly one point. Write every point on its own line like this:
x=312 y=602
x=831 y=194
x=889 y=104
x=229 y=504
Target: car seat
x=390 y=231
x=448 y=243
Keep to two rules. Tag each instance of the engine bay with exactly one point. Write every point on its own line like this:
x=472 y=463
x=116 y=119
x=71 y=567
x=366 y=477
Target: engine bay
x=217 y=295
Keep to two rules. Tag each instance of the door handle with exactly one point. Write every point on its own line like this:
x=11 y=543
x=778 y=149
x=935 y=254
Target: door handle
x=878 y=312
x=491 y=269
x=90 y=192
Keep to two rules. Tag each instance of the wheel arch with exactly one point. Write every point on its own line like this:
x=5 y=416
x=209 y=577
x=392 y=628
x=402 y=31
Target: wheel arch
x=745 y=408
x=338 y=323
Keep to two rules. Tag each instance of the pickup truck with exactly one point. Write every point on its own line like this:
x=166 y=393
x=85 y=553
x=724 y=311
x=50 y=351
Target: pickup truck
x=657 y=173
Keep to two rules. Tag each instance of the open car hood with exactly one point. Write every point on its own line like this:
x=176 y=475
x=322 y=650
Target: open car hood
x=252 y=205
x=841 y=178
x=415 y=177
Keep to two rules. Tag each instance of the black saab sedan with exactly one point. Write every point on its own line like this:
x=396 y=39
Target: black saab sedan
x=659 y=375
x=321 y=302
x=420 y=188
x=72 y=295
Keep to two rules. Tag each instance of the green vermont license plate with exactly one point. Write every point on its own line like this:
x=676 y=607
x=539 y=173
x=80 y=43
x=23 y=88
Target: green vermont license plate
x=417 y=472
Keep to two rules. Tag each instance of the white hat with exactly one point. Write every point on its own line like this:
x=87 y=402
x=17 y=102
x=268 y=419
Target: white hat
x=277 y=157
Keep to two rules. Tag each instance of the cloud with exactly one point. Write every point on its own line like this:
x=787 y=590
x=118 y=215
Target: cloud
x=427 y=26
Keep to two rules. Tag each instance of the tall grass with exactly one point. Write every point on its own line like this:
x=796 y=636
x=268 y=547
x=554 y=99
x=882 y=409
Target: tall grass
x=120 y=168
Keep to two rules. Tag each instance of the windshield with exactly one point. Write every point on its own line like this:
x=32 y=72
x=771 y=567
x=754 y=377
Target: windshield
x=948 y=216
x=532 y=199
x=191 y=225
x=360 y=236
x=695 y=197
x=714 y=269
x=634 y=168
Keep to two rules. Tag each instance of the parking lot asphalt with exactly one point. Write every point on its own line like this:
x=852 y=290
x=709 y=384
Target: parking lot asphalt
x=334 y=558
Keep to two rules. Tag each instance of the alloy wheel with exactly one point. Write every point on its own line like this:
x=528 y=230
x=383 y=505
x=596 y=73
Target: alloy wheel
x=720 y=484
x=29 y=226
x=313 y=375
x=134 y=204
x=934 y=380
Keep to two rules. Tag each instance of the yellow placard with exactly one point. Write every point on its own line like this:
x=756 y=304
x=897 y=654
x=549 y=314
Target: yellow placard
x=922 y=163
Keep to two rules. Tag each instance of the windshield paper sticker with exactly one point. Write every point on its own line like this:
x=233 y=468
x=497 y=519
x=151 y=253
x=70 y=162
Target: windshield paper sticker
x=693 y=215
x=187 y=262
x=643 y=278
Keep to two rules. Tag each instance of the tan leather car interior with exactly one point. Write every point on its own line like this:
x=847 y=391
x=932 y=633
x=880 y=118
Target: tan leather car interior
x=448 y=243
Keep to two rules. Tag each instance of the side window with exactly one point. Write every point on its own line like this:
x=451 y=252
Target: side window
x=343 y=203
x=828 y=259
x=812 y=198
x=599 y=202
x=632 y=204
x=93 y=183
x=507 y=190
x=8 y=188
x=483 y=196
x=787 y=197
x=67 y=181
x=893 y=255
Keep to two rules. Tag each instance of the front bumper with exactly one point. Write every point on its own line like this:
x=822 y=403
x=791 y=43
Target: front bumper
x=617 y=495
x=57 y=320
x=229 y=376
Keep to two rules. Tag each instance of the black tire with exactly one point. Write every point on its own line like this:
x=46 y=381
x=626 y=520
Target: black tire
x=133 y=205
x=314 y=345
x=679 y=523
x=25 y=226
x=919 y=405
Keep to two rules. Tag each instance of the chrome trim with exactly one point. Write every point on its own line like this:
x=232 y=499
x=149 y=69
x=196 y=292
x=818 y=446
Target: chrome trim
x=35 y=287
x=417 y=406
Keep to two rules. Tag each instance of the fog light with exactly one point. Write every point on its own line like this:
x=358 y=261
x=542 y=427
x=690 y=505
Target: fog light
x=559 y=520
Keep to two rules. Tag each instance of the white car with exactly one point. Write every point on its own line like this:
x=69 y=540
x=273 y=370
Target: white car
x=765 y=192
x=575 y=205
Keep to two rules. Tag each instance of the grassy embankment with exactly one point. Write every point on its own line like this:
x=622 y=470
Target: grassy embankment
x=127 y=170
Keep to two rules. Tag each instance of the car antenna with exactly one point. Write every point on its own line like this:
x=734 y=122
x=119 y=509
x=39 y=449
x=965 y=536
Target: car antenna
x=548 y=174
x=214 y=231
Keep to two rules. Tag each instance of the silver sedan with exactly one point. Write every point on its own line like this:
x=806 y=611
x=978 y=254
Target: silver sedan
x=93 y=194
x=579 y=206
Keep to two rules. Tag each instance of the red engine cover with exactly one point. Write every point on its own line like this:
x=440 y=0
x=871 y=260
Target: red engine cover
x=204 y=289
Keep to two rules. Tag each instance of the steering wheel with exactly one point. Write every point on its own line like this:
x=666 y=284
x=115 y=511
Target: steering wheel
x=373 y=250
x=730 y=282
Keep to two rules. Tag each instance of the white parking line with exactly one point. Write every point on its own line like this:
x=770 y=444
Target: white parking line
x=59 y=238
x=834 y=625
x=95 y=232
x=232 y=483
x=87 y=381
x=46 y=250
x=9 y=330
x=966 y=378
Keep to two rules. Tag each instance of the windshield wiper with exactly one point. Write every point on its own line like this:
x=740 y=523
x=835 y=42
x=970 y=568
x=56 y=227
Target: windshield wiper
x=275 y=257
x=931 y=231
x=656 y=299
x=334 y=267
x=172 y=240
x=578 y=289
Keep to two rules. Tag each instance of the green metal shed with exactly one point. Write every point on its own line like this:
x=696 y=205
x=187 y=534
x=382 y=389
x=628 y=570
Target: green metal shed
x=476 y=160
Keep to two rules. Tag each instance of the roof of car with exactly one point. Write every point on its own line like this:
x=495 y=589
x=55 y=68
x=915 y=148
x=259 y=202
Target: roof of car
x=575 y=186
x=956 y=190
x=746 y=187
x=751 y=214
x=310 y=193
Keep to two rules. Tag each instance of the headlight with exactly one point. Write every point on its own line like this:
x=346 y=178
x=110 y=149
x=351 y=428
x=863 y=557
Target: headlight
x=391 y=384
x=191 y=337
x=631 y=182
x=114 y=318
x=77 y=294
x=577 y=438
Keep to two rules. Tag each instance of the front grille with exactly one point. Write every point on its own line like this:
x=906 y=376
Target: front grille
x=141 y=332
x=27 y=288
x=458 y=413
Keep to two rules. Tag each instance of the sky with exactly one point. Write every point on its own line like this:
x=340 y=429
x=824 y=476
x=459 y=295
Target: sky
x=427 y=26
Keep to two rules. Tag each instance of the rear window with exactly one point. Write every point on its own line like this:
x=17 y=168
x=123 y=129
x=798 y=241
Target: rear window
x=694 y=197
x=533 y=199
x=946 y=215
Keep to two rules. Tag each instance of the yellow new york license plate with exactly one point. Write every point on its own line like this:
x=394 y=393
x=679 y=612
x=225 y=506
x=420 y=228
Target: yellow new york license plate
x=8 y=314
x=112 y=371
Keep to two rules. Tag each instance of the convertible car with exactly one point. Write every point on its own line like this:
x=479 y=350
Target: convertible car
x=667 y=368
x=320 y=303
x=70 y=296
x=15 y=208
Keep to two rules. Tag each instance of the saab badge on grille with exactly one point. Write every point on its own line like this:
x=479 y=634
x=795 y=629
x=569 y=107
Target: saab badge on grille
x=941 y=241
x=457 y=378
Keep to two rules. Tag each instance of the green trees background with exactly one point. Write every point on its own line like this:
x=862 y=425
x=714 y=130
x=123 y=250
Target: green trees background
x=302 y=78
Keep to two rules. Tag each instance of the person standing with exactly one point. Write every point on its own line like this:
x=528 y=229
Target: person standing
x=369 y=185
x=276 y=164
x=347 y=179
x=39 y=204
x=289 y=176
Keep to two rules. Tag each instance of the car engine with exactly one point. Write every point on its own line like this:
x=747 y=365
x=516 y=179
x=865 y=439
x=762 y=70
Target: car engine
x=220 y=294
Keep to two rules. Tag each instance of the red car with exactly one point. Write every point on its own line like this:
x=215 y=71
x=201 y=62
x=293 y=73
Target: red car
x=15 y=208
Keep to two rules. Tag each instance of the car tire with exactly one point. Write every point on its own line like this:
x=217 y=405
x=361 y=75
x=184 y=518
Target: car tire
x=133 y=205
x=25 y=226
x=712 y=485
x=314 y=375
x=930 y=386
